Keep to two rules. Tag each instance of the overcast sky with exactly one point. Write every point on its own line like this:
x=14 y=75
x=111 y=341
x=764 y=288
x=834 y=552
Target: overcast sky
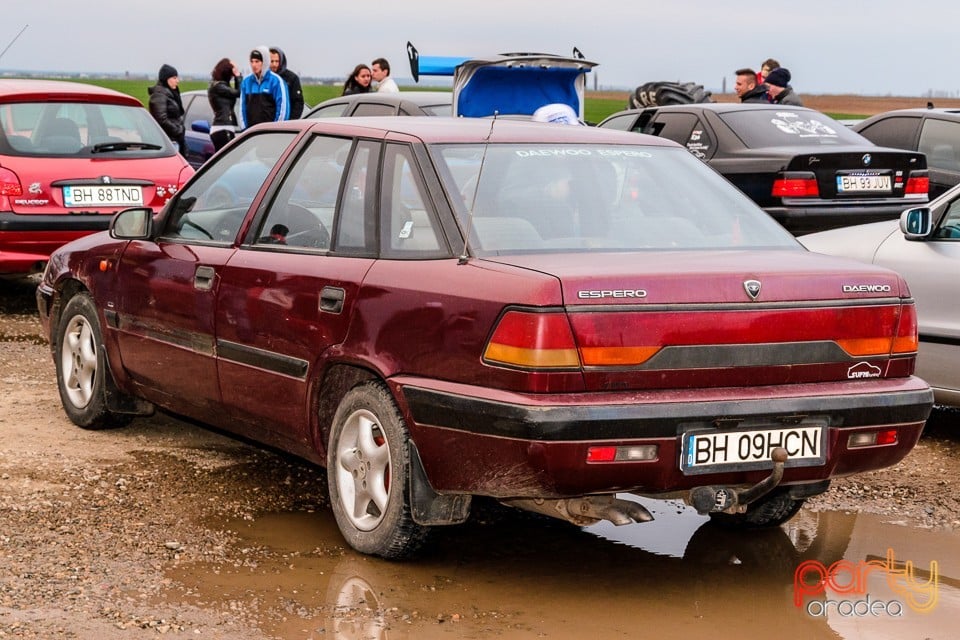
x=874 y=47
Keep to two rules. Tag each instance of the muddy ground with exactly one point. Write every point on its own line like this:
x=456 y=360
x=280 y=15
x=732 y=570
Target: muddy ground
x=167 y=528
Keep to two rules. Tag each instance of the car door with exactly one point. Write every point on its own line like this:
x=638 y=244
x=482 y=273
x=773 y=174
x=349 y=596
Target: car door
x=166 y=317
x=199 y=113
x=930 y=268
x=286 y=297
x=940 y=141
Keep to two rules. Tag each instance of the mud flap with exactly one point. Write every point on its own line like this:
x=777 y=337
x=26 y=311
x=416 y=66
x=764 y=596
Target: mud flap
x=428 y=507
x=123 y=403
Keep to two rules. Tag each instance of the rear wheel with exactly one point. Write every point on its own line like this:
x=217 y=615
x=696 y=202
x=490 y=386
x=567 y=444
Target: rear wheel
x=82 y=368
x=368 y=470
x=769 y=511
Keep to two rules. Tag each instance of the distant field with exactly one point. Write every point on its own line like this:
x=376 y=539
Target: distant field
x=600 y=104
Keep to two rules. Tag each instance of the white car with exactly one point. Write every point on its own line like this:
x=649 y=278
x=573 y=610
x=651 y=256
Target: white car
x=925 y=249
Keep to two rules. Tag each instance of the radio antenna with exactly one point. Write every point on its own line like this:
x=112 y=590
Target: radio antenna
x=465 y=256
x=20 y=33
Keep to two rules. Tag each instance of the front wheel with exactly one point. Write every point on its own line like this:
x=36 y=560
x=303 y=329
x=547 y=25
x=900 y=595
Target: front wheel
x=82 y=367
x=769 y=511
x=368 y=471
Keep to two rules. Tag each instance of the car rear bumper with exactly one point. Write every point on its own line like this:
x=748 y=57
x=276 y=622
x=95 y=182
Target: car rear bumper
x=799 y=220
x=487 y=442
x=26 y=241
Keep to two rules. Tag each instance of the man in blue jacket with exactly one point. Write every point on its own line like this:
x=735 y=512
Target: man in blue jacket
x=263 y=94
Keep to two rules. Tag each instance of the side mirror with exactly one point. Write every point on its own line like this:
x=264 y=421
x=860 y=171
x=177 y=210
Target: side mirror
x=200 y=126
x=916 y=224
x=132 y=224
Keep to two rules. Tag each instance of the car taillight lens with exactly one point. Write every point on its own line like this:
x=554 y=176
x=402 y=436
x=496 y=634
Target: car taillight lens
x=918 y=183
x=904 y=341
x=796 y=184
x=9 y=183
x=533 y=341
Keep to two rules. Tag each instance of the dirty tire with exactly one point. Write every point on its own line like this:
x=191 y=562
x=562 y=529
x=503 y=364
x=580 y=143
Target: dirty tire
x=82 y=368
x=368 y=470
x=770 y=511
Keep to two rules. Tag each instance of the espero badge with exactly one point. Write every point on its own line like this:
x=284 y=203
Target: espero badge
x=752 y=287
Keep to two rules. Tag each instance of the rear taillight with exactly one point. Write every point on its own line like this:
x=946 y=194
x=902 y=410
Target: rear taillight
x=904 y=341
x=533 y=341
x=9 y=183
x=907 y=340
x=918 y=183
x=795 y=184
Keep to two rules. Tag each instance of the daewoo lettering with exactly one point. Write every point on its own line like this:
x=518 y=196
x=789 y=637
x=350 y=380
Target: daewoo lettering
x=866 y=288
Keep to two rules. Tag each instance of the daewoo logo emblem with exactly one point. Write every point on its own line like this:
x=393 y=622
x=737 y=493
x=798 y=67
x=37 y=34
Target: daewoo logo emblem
x=105 y=179
x=752 y=287
x=867 y=159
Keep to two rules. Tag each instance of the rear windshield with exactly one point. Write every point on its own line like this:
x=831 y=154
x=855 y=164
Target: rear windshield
x=76 y=129
x=566 y=197
x=772 y=128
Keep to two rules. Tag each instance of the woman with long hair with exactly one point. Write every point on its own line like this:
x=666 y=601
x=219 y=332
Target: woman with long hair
x=223 y=99
x=359 y=80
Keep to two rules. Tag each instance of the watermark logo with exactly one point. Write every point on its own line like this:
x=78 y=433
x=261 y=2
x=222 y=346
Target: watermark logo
x=813 y=579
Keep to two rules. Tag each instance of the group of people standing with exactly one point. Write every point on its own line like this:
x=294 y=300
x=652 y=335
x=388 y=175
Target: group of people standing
x=771 y=85
x=271 y=92
x=362 y=78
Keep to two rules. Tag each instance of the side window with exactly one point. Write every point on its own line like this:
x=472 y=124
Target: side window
x=355 y=226
x=409 y=228
x=330 y=111
x=213 y=207
x=301 y=214
x=621 y=123
x=688 y=130
x=897 y=132
x=675 y=126
x=940 y=140
x=950 y=224
x=365 y=109
x=198 y=109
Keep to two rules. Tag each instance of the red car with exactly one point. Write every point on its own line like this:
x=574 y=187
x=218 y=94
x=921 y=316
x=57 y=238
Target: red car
x=72 y=155
x=440 y=308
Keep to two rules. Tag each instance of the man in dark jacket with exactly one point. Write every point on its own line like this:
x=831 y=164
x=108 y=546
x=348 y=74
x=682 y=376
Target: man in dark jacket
x=779 y=89
x=747 y=88
x=263 y=94
x=166 y=106
x=278 y=64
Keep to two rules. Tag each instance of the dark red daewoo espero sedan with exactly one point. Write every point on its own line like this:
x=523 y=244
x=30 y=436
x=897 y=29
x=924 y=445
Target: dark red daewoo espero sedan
x=436 y=309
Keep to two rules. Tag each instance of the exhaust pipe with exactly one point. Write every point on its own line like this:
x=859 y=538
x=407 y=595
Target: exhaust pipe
x=586 y=510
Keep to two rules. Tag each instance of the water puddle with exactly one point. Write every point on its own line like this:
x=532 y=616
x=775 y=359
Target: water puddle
x=518 y=577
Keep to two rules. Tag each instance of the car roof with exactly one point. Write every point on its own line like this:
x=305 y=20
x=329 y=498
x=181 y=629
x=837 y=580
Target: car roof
x=35 y=90
x=440 y=129
x=944 y=113
x=722 y=107
x=418 y=98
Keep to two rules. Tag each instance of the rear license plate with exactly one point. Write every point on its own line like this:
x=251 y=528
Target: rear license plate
x=863 y=184
x=105 y=195
x=713 y=451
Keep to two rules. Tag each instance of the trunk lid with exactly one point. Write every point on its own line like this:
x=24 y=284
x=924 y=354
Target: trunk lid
x=714 y=319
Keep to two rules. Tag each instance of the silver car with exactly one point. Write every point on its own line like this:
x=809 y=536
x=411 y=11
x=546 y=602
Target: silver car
x=925 y=249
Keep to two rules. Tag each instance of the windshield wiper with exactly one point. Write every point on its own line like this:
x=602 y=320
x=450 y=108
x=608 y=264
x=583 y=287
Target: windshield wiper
x=124 y=146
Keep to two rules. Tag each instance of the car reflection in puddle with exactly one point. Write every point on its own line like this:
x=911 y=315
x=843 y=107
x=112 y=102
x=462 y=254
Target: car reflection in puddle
x=521 y=576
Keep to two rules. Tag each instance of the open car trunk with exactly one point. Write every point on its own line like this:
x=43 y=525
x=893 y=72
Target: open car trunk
x=509 y=84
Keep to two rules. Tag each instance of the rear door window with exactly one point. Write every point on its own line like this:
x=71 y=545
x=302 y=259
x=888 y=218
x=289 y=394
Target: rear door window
x=940 y=140
x=898 y=132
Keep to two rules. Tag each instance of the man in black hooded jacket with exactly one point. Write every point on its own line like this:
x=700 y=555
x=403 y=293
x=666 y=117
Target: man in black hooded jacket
x=166 y=106
x=278 y=64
